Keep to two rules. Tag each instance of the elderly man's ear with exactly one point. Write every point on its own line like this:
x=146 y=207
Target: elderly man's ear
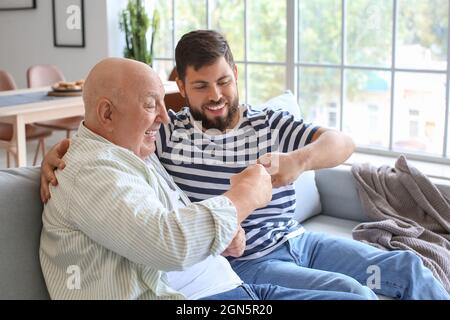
x=105 y=114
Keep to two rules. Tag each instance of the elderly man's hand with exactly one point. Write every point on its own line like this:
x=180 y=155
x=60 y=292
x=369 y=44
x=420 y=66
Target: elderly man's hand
x=255 y=183
x=250 y=189
x=237 y=246
x=51 y=162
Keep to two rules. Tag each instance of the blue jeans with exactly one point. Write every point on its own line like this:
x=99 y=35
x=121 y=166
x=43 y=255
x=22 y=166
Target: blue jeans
x=272 y=292
x=323 y=262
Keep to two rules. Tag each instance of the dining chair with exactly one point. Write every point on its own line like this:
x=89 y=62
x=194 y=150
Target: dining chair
x=174 y=101
x=7 y=130
x=6 y=81
x=42 y=75
x=173 y=74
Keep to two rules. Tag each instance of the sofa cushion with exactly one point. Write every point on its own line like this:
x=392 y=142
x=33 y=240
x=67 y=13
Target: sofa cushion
x=20 y=229
x=308 y=199
x=338 y=194
x=332 y=225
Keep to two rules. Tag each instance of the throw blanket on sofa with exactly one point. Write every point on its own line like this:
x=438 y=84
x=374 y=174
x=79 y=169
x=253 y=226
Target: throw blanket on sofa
x=409 y=213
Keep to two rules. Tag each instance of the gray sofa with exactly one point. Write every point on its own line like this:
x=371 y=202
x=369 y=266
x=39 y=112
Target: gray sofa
x=21 y=209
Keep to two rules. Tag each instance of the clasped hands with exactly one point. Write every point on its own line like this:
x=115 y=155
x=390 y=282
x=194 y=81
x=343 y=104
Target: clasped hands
x=284 y=169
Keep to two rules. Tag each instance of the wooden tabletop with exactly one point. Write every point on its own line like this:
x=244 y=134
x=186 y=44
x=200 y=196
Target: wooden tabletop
x=6 y=111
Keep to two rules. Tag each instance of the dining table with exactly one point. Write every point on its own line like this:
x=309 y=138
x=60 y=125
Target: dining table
x=26 y=106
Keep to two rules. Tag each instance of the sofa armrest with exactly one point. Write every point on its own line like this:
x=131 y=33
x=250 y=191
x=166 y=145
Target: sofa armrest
x=339 y=196
x=20 y=232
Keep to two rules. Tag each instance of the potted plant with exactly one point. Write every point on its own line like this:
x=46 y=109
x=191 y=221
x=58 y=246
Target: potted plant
x=134 y=22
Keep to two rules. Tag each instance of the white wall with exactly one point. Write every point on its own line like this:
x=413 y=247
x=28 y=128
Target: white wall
x=26 y=38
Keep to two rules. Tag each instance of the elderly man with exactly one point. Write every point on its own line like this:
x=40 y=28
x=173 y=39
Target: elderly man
x=122 y=224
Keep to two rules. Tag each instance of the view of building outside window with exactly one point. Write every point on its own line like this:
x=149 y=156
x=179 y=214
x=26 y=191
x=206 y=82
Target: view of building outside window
x=376 y=69
x=366 y=107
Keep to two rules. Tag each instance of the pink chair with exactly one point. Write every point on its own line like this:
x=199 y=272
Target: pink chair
x=6 y=130
x=6 y=81
x=43 y=75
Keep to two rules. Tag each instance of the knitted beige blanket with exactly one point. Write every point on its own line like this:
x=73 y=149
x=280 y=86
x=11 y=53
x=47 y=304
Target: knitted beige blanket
x=408 y=212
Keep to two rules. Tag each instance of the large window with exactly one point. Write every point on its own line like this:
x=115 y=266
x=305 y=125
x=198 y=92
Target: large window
x=376 y=69
x=255 y=30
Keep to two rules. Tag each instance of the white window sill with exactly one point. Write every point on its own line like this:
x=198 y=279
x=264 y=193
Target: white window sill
x=432 y=170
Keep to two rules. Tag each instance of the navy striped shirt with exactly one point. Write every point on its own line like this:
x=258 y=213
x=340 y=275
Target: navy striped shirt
x=201 y=164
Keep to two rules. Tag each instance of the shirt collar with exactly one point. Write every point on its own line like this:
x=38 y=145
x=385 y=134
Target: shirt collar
x=84 y=132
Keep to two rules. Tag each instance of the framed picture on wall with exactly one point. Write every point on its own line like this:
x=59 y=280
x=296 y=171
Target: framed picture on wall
x=17 y=4
x=68 y=23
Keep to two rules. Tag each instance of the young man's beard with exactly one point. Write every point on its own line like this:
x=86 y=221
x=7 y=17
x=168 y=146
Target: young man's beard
x=220 y=123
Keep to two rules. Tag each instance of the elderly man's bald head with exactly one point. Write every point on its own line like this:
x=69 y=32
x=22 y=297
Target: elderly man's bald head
x=115 y=79
x=124 y=103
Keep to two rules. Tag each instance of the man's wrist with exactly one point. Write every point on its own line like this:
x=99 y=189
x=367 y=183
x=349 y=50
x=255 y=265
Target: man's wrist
x=243 y=204
x=302 y=159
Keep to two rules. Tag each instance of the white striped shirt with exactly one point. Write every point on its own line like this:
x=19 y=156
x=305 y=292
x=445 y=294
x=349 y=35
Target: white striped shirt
x=112 y=222
x=201 y=164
